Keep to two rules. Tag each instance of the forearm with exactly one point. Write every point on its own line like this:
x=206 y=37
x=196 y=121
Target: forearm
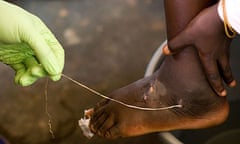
x=180 y=12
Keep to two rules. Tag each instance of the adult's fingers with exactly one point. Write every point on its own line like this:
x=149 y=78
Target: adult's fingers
x=180 y=41
x=20 y=70
x=23 y=77
x=53 y=44
x=45 y=54
x=211 y=70
x=226 y=71
x=34 y=67
x=28 y=72
x=33 y=72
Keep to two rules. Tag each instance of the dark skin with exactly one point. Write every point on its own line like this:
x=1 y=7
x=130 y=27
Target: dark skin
x=179 y=80
x=206 y=33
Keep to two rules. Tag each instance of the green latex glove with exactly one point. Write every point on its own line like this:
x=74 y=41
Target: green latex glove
x=20 y=29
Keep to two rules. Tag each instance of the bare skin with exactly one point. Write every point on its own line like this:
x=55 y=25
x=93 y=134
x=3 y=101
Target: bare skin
x=213 y=53
x=179 y=80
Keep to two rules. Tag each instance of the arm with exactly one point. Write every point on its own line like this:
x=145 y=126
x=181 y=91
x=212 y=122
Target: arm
x=180 y=12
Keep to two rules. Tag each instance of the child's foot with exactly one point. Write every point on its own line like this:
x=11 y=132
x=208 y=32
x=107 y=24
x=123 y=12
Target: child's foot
x=179 y=80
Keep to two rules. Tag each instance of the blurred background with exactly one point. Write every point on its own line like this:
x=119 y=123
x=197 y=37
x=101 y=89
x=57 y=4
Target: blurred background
x=108 y=44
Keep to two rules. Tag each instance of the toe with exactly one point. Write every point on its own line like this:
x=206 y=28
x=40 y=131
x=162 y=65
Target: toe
x=95 y=118
x=98 y=123
x=96 y=114
x=108 y=123
x=101 y=103
x=112 y=133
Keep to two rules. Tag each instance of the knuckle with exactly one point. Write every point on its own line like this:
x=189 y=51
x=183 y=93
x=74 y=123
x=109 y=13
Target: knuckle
x=205 y=56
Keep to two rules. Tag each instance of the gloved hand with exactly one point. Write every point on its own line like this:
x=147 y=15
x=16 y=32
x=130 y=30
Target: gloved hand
x=41 y=54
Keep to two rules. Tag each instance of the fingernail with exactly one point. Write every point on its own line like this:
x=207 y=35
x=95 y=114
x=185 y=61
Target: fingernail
x=233 y=83
x=166 y=51
x=223 y=93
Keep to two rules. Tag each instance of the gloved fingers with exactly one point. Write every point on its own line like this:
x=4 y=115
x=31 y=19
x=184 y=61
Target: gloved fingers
x=226 y=71
x=53 y=44
x=51 y=40
x=43 y=52
x=35 y=69
x=28 y=72
x=27 y=79
x=213 y=76
x=23 y=76
x=179 y=42
x=56 y=77
x=20 y=70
